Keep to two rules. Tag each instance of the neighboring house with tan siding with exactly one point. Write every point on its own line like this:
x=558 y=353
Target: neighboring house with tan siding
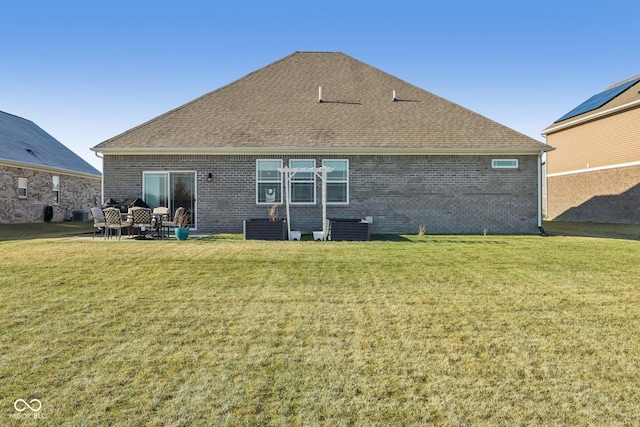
x=594 y=173
x=402 y=156
x=37 y=171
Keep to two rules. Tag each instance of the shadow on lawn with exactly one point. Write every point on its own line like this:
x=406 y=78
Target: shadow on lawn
x=434 y=239
x=45 y=230
x=592 y=229
x=468 y=242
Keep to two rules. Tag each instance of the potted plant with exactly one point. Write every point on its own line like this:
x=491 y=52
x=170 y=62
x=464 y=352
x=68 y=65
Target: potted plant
x=182 y=220
x=272 y=228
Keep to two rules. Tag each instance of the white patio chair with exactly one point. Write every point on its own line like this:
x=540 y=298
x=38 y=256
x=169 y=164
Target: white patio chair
x=98 y=221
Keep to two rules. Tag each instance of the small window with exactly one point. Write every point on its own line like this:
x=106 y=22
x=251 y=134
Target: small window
x=56 y=189
x=337 y=181
x=268 y=181
x=303 y=184
x=504 y=163
x=22 y=188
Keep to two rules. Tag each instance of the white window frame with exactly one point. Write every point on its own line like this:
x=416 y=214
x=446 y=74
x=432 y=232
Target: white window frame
x=299 y=163
x=22 y=185
x=343 y=181
x=496 y=164
x=55 y=184
x=276 y=182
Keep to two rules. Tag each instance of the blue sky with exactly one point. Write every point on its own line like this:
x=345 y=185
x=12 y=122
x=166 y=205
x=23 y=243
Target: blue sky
x=86 y=71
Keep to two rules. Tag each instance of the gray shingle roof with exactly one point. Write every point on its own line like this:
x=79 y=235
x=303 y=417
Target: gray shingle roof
x=276 y=107
x=24 y=142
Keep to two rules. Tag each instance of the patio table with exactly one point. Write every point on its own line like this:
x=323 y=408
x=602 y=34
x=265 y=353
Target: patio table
x=157 y=221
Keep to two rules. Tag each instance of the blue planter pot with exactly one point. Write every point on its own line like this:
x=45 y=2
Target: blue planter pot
x=182 y=233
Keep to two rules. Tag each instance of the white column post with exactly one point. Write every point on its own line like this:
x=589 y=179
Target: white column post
x=287 y=177
x=324 y=204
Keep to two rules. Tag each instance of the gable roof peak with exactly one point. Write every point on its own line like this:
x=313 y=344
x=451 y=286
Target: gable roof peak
x=276 y=107
x=623 y=82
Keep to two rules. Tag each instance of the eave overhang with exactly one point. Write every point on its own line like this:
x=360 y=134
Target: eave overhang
x=588 y=117
x=226 y=151
x=43 y=168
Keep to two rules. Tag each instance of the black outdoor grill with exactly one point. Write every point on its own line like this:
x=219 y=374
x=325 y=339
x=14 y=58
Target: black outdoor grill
x=124 y=204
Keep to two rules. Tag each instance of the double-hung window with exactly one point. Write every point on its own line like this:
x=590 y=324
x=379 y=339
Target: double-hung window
x=303 y=184
x=269 y=181
x=337 y=181
x=22 y=188
x=56 y=189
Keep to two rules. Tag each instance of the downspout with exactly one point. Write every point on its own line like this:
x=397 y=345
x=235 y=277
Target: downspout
x=542 y=233
x=102 y=180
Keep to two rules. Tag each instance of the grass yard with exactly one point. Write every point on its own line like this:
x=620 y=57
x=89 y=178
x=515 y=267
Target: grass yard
x=450 y=330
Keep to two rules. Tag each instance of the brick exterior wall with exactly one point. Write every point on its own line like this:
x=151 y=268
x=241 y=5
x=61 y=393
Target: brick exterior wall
x=76 y=193
x=447 y=194
x=609 y=195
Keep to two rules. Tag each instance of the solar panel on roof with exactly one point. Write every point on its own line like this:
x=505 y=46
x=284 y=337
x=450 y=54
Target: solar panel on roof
x=597 y=101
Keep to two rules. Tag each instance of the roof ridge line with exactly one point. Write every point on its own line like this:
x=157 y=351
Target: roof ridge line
x=622 y=82
x=16 y=116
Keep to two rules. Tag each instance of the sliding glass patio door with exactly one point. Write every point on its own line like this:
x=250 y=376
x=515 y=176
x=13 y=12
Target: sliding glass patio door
x=170 y=189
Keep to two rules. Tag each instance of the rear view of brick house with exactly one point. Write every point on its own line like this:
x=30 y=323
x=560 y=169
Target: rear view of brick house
x=401 y=156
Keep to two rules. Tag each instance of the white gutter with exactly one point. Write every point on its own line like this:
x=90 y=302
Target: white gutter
x=590 y=117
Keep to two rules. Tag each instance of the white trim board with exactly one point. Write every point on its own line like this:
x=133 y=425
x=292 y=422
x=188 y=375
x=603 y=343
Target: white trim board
x=595 y=169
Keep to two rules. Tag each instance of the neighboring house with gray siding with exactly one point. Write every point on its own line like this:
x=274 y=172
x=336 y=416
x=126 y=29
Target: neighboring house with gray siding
x=594 y=173
x=36 y=171
x=401 y=156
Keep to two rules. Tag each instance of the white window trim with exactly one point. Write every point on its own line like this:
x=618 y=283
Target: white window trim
x=494 y=164
x=346 y=181
x=293 y=180
x=23 y=183
x=258 y=182
x=168 y=195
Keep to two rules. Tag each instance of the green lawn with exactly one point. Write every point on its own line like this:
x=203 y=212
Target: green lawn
x=452 y=330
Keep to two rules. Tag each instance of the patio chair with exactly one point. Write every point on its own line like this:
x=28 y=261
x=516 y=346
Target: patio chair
x=98 y=221
x=113 y=221
x=140 y=218
x=173 y=223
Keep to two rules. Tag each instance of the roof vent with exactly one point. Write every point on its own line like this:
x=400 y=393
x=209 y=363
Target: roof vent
x=319 y=94
x=395 y=98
